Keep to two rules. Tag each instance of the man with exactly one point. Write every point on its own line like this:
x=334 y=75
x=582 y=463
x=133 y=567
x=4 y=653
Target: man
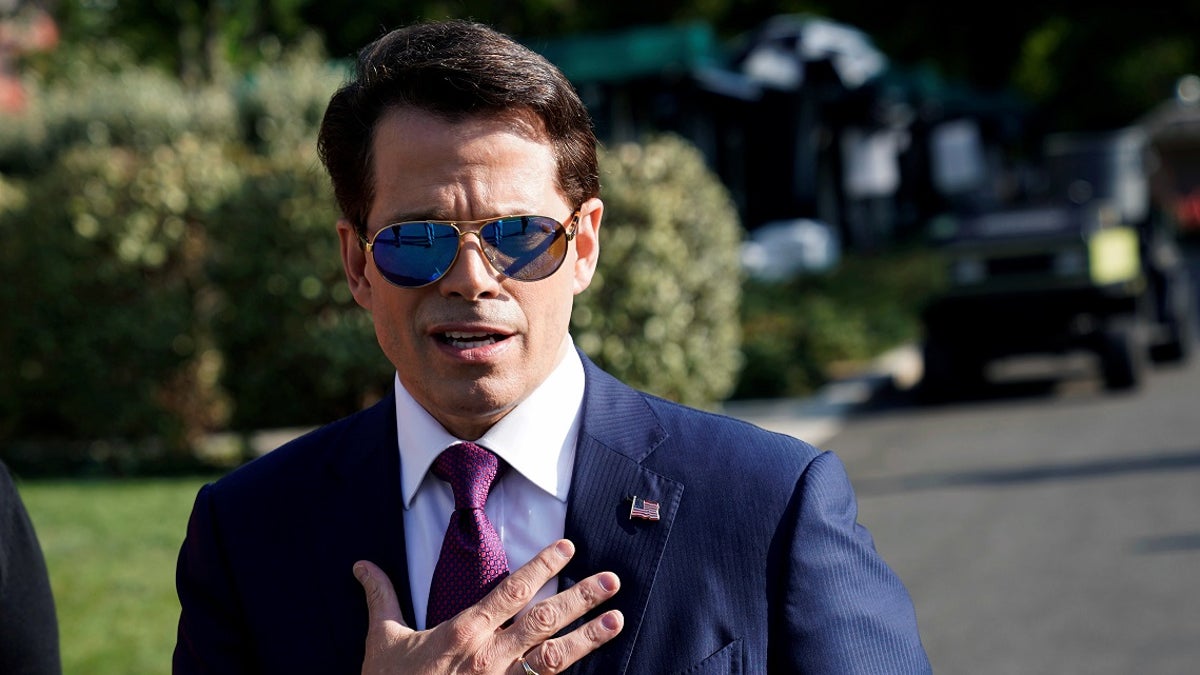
x=642 y=536
x=28 y=620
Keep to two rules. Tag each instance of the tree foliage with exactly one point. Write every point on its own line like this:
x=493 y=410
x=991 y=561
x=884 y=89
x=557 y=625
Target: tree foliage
x=176 y=257
x=662 y=311
x=1084 y=66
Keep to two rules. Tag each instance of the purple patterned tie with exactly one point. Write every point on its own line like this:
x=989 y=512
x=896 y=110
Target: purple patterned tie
x=472 y=561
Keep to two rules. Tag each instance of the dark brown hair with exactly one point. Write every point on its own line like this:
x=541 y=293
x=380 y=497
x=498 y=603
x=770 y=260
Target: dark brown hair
x=454 y=69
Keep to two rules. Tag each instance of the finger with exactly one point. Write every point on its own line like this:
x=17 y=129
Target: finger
x=556 y=655
x=550 y=615
x=382 y=604
x=517 y=589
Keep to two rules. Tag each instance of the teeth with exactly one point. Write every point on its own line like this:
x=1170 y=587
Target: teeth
x=469 y=340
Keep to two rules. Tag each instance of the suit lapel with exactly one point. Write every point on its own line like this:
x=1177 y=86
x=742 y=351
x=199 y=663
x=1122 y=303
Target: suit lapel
x=618 y=432
x=366 y=467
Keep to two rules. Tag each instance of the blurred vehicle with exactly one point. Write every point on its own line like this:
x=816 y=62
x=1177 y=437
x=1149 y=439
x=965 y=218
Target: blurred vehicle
x=784 y=249
x=1089 y=264
x=1173 y=128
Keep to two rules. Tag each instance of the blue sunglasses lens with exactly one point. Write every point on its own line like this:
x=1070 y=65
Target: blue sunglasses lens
x=415 y=254
x=527 y=248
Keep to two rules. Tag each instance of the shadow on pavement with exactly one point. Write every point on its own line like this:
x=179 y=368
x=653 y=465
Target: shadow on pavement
x=1027 y=475
x=1172 y=543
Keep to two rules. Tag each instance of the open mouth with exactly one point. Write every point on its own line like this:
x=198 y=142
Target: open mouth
x=470 y=340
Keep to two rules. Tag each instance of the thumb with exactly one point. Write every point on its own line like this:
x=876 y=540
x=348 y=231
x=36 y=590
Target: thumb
x=382 y=604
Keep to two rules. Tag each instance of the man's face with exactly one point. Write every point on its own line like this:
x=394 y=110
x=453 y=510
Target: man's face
x=474 y=344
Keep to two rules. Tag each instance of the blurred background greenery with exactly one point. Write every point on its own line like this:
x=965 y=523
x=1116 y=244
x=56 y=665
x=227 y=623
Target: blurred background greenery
x=173 y=284
x=168 y=228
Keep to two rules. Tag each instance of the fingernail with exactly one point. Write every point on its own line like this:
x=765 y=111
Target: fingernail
x=609 y=582
x=609 y=621
x=361 y=573
x=565 y=548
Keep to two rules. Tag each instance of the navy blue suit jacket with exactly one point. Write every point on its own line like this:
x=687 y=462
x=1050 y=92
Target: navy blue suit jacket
x=757 y=564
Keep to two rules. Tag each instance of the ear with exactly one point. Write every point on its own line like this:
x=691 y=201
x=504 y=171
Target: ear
x=354 y=261
x=587 y=243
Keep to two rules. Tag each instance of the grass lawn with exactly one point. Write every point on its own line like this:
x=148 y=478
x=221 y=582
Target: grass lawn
x=111 y=546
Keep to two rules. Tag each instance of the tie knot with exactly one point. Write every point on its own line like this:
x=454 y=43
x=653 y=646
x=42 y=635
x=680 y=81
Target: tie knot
x=470 y=470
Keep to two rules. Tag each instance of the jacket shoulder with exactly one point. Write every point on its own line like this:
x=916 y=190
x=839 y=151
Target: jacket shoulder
x=673 y=433
x=334 y=447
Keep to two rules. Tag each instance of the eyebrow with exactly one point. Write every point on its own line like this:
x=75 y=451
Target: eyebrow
x=418 y=216
x=415 y=216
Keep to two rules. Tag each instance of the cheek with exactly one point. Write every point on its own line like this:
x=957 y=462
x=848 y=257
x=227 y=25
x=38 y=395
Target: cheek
x=393 y=321
x=550 y=313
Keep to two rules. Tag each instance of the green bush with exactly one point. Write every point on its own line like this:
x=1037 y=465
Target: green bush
x=662 y=312
x=134 y=210
x=281 y=101
x=112 y=177
x=108 y=334
x=797 y=333
x=98 y=99
x=298 y=350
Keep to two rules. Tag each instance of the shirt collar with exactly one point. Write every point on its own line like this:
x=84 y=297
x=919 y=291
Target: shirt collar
x=537 y=438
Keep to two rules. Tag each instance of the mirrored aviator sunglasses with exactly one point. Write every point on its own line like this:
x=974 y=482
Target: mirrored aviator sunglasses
x=418 y=253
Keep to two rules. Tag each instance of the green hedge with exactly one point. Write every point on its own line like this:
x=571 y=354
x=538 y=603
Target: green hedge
x=176 y=260
x=800 y=333
x=662 y=313
x=173 y=267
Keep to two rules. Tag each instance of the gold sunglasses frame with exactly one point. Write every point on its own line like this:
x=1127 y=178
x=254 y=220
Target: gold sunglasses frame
x=570 y=228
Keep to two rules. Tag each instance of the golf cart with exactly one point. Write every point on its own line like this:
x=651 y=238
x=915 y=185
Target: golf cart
x=1089 y=265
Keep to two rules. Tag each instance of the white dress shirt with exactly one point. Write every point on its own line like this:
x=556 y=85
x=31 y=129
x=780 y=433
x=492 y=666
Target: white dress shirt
x=528 y=505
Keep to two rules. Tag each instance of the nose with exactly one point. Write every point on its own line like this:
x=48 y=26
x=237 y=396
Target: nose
x=471 y=276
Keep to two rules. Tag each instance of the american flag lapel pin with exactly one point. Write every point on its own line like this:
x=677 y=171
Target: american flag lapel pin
x=643 y=509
